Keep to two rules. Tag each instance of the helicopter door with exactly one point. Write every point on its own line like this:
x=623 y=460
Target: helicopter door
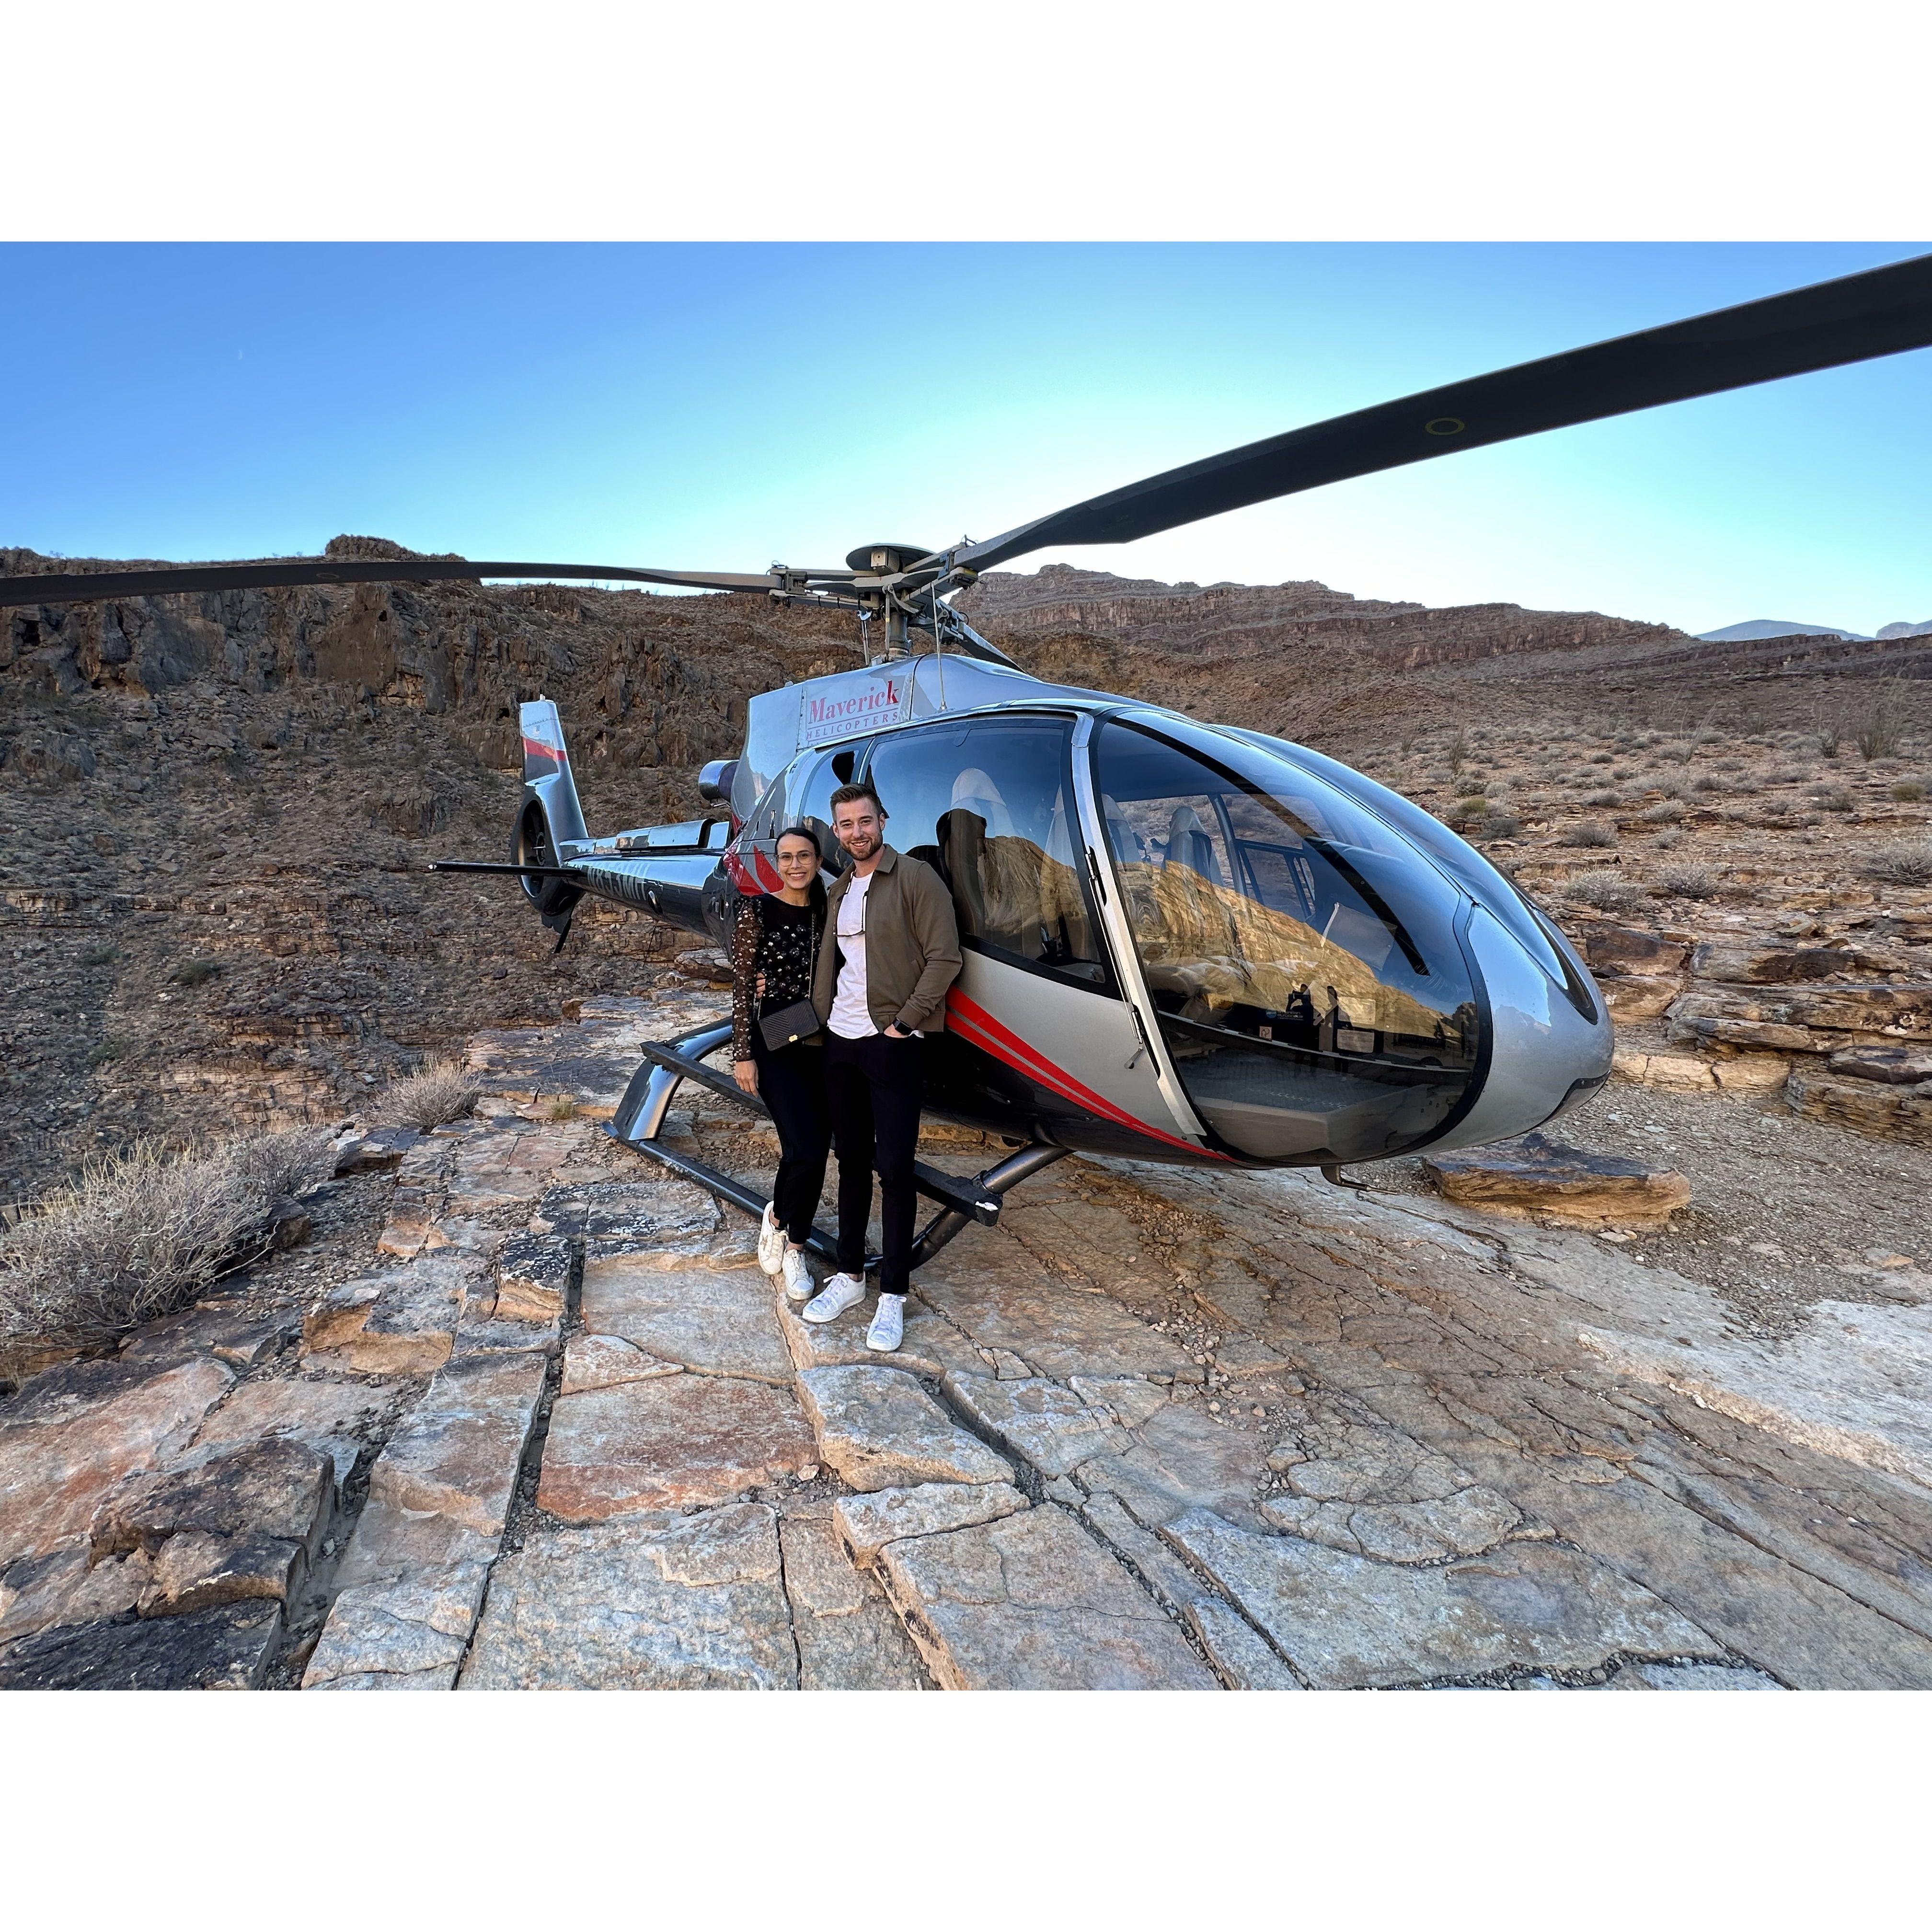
x=1036 y=1021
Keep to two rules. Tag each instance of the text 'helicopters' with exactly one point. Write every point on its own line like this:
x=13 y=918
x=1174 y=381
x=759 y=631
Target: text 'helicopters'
x=1182 y=942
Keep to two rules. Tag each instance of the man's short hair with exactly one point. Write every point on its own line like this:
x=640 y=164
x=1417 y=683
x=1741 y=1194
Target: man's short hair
x=850 y=794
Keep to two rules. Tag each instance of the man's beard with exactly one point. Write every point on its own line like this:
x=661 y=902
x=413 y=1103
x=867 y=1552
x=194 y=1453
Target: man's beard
x=861 y=845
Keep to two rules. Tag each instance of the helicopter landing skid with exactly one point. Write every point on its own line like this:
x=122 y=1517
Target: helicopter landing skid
x=639 y=1118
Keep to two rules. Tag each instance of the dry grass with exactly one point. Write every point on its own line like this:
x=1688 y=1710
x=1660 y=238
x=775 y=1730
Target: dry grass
x=1689 y=882
x=1589 y=833
x=562 y=1109
x=1607 y=890
x=1902 y=865
x=140 y=1234
x=443 y=1091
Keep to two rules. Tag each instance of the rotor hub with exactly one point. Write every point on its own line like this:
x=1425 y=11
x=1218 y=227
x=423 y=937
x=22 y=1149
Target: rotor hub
x=883 y=560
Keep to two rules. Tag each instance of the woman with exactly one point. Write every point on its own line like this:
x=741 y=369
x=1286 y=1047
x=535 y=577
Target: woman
x=771 y=955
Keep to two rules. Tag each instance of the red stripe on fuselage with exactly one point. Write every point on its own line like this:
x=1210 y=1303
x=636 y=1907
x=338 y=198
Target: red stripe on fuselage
x=534 y=748
x=988 y=1034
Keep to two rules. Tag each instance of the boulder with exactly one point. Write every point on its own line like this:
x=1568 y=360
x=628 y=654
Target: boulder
x=1536 y=1179
x=1638 y=996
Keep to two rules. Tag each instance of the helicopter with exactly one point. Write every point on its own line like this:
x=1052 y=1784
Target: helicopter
x=1182 y=942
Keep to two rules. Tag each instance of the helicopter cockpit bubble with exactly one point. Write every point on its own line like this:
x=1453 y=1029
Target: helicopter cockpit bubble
x=1305 y=970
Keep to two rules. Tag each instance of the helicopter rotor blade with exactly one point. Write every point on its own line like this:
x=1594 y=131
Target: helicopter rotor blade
x=51 y=589
x=1882 y=312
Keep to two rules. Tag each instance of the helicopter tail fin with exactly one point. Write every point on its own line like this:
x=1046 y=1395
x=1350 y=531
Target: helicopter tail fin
x=549 y=829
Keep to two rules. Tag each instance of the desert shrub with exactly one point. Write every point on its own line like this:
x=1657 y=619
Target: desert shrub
x=1707 y=736
x=1500 y=825
x=1459 y=749
x=1830 y=740
x=1668 y=813
x=1902 y=865
x=1908 y=791
x=1602 y=757
x=562 y=1109
x=195 y=972
x=1601 y=798
x=1707 y=783
x=1877 y=736
x=100 y=955
x=102 y=1052
x=1609 y=891
x=140 y=1234
x=443 y=1091
x=1668 y=842
x=1832 y=798
x=1589 y=833
x=1689 y=882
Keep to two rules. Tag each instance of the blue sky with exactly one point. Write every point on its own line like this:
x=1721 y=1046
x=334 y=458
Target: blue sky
x=719 y=407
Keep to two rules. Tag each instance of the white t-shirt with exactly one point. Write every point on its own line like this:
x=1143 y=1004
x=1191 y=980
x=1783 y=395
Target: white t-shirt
x=851 y=1018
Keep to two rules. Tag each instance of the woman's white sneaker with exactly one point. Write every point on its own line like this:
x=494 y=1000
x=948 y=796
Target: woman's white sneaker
x=771 y=1242
x=841 y=1292
x=888 y=1328
x=798 y=1282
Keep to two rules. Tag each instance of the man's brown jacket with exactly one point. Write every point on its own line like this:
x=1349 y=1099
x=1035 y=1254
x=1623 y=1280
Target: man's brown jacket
x=912 y=945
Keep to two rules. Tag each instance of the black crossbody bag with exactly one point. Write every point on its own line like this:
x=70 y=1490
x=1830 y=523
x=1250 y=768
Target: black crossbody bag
x=796 y=1022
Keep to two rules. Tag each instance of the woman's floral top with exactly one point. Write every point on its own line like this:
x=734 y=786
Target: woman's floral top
x=778 y=941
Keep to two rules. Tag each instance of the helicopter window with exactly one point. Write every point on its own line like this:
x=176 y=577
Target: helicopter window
x=990 y=807
x=810 y=801
x=1302 y=961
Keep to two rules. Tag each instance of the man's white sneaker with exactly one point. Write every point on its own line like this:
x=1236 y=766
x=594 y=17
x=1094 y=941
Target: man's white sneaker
x=888 y=1328
x=841 y=1292
x=771 y=1242
x=798 y=1282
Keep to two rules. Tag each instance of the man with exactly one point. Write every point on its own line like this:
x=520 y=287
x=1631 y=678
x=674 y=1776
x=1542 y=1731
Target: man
x=890 y=949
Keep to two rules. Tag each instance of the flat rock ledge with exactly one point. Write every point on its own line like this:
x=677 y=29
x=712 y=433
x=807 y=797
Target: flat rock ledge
x=1533 y=1179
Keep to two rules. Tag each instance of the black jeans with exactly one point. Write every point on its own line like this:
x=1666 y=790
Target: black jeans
x=872 y=1091
x=791 y=1082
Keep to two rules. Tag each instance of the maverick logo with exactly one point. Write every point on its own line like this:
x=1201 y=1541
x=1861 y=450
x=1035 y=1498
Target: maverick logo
x=843 y=707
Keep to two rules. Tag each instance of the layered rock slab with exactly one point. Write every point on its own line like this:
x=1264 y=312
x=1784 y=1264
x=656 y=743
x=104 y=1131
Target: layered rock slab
x=402 y=1322
x=654 y=1602
x=1345 y=1622
x=1030 y=1603
x=718 y=1322
x=866 y=1523
x=847 y=1637
x=229 y=1648
x=668 y=1443
x=405 y=1633
x=1536 y=1179
x=880 y=1430
x=76 y=1432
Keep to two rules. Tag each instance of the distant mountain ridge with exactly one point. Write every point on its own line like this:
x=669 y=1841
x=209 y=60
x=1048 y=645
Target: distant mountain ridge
x=1755 y=629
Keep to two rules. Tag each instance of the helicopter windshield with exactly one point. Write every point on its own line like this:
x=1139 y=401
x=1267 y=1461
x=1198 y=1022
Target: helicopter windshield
x=1302 y=959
